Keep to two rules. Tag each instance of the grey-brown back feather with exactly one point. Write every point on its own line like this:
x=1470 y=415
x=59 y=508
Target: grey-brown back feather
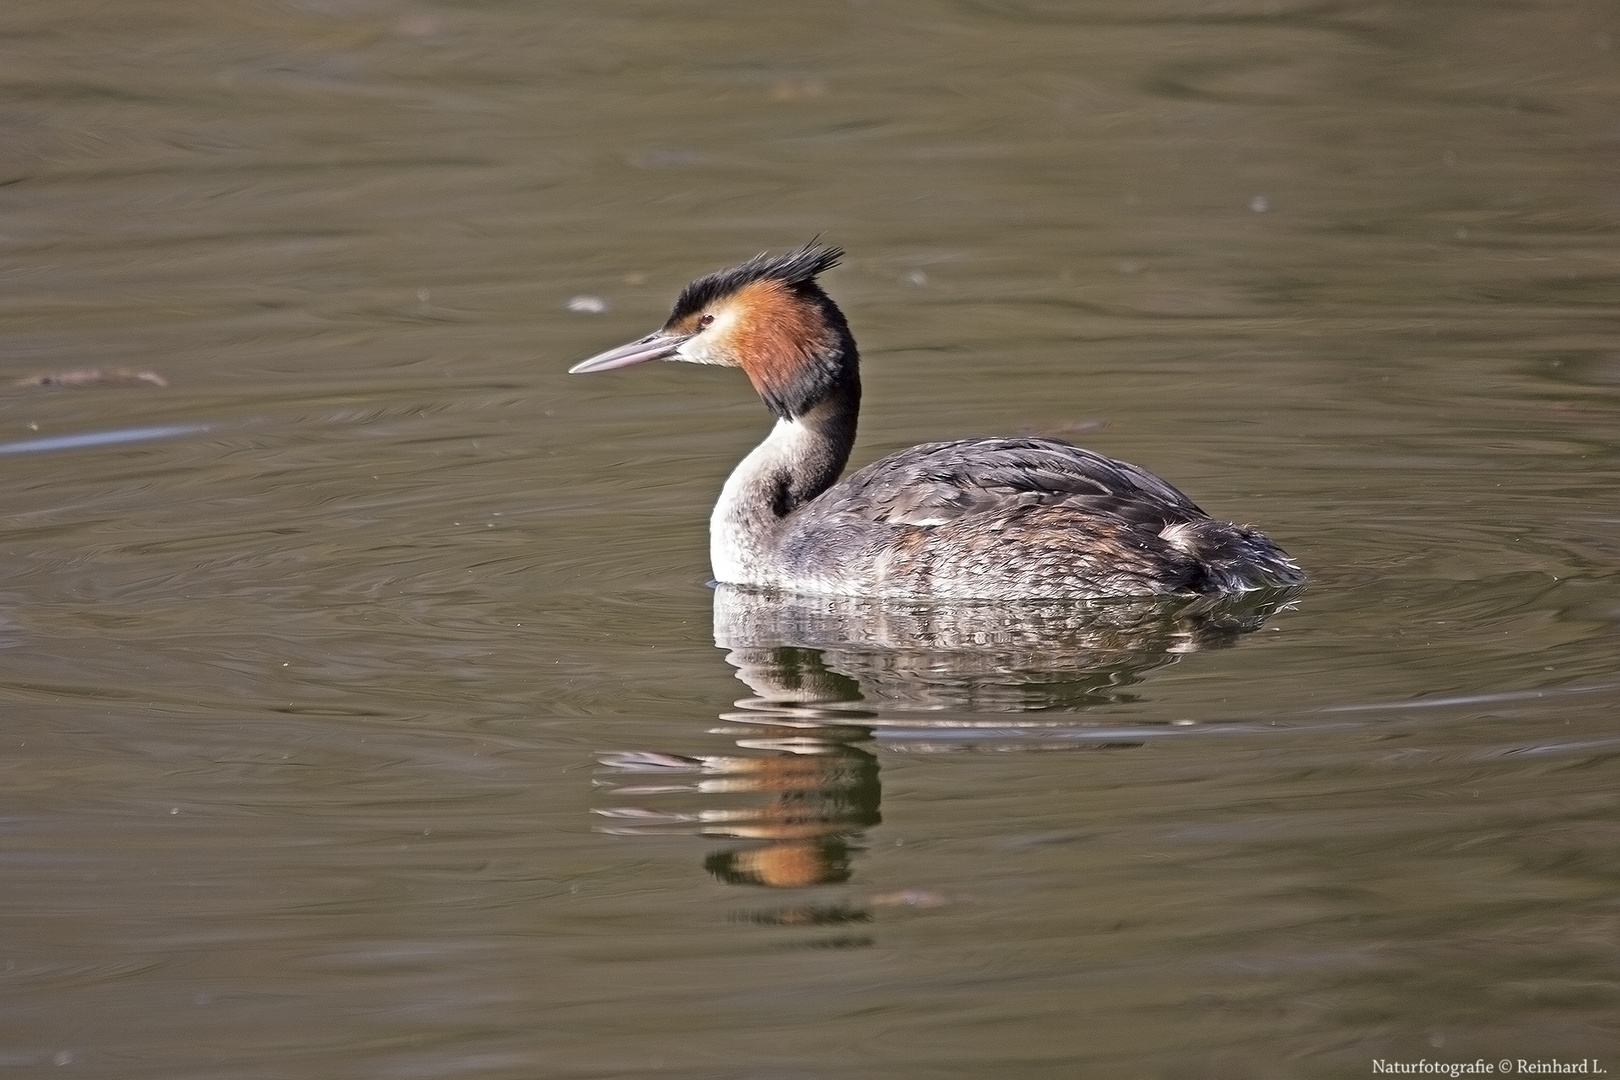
x=1024 y=516
x=934 y=483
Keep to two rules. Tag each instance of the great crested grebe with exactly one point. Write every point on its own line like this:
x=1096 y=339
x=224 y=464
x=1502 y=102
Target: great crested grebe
x=994 y=519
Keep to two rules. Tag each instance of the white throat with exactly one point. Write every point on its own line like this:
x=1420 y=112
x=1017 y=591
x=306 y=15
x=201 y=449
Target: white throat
x=744 y=528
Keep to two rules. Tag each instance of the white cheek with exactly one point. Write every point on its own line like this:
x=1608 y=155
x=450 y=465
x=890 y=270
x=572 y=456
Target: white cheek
x=708 y=347
x=695 y=351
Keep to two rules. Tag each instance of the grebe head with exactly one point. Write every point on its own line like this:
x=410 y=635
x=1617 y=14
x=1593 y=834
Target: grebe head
x=767 y=316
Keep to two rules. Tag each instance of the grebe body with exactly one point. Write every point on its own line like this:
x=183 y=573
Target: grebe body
x=994 y=519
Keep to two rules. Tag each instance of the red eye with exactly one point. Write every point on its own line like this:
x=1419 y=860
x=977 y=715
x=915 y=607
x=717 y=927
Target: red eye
x=705 y=321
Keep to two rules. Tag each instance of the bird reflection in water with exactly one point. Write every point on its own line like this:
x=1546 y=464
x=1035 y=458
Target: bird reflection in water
x=801 y=750
x=833 y=676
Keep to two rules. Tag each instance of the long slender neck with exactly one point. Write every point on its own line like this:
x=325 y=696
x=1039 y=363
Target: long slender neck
x=801 y=457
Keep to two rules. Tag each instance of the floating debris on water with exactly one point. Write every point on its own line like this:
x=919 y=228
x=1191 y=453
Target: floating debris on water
x=94 y=377
x=588 y=305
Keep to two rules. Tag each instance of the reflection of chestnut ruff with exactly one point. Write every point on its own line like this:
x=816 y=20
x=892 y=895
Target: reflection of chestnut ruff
x=822 y=789
x=821 y=792
x=824 y=668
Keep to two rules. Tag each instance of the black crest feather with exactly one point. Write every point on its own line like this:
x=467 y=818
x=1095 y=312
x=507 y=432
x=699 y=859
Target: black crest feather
x=798 y=267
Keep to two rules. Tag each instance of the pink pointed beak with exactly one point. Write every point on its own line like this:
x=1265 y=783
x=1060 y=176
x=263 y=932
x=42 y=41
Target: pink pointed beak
x=658 y=345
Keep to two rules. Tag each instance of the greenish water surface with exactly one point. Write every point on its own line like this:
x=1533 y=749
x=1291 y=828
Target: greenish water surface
x=366 y=712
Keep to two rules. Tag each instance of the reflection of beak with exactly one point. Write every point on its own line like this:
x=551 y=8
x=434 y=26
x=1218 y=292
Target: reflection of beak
x=658 y=345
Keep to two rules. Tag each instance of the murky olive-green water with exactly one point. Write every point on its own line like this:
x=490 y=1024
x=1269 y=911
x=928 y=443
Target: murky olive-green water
x=363 y=713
